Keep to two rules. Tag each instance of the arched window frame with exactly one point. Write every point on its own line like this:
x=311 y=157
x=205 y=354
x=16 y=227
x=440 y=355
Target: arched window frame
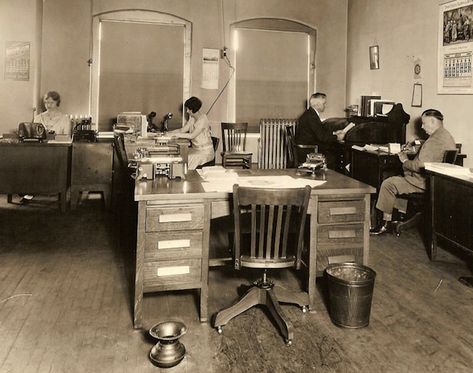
x=277 y=24
x=138 y=16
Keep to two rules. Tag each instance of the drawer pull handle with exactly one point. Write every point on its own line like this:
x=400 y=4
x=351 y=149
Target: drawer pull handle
x=342 y=211
x=342 y=234
x=173 y=244
x=341 y=259
x=170 y=218
x=172 y=271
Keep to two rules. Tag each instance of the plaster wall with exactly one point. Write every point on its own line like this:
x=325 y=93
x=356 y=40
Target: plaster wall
x=18 y=22
x=66 y=43
x=406 y=31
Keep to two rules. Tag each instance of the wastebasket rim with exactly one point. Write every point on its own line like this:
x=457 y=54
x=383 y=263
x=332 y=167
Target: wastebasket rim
x=371 y=273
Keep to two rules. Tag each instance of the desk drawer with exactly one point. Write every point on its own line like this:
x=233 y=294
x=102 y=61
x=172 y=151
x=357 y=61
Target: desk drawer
x=172 y=272
x=326 y=256
x=341 y=211
x=174 y=218
x=346 y=235
x=173 y=245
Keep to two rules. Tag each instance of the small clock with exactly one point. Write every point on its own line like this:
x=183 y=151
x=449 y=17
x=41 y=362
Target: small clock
x=417 y=69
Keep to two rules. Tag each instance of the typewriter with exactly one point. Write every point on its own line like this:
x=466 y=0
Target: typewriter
x=313 y=163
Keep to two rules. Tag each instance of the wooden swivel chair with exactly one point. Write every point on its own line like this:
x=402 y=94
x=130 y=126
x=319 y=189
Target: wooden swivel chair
x=215 y=142
x=416 y=201
x=297 y=152
x=234 y=145
x=268 y=214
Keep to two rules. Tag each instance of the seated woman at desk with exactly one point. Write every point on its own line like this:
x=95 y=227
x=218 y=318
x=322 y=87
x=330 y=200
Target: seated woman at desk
x=52 y=119
x=197 y=130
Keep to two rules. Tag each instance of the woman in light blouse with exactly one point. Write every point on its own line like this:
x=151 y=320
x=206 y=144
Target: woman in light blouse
x=52 y=119
x=197 y=130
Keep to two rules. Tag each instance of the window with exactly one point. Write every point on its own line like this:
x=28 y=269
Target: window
x=142 y=66
x=274 y=73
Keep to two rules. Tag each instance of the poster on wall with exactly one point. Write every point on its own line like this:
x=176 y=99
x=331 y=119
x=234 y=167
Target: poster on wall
x=17 y=60
x=455 y=47
x=210 y=59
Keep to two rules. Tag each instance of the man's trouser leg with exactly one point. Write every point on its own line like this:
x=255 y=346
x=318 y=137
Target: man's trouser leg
x=390 y=189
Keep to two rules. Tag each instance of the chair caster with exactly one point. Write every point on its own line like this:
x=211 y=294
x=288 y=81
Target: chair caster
x=288 y=342
x=305 y=309
x=219 y=330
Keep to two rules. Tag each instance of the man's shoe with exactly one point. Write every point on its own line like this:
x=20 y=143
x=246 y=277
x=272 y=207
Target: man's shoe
x=385 y=228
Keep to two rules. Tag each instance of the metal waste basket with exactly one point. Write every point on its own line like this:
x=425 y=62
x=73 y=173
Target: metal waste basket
x=350 y=291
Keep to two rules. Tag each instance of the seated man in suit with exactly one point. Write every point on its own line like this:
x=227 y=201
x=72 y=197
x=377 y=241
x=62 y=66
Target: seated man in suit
x=432 y=150
x=311 y=131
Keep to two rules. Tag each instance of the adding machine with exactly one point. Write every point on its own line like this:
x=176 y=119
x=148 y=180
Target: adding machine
x=156 y=157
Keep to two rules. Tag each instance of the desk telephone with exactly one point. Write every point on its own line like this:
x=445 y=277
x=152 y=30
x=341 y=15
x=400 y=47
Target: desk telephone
x=31 y=131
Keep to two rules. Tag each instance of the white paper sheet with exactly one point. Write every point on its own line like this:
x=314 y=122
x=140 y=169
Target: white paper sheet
x=210 y=61
x=225 y=185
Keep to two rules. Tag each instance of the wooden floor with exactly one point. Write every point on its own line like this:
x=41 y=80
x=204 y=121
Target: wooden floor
x=65 y=306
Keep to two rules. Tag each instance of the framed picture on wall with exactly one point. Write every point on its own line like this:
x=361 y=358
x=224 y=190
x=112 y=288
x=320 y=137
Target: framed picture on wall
x=455 y=47
x=416 y=95
x=374 y=57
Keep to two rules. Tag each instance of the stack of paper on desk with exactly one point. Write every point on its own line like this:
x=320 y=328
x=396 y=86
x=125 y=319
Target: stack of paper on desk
x=225 y=184
x=371 y=147
x=216 y=172
x=448 y=169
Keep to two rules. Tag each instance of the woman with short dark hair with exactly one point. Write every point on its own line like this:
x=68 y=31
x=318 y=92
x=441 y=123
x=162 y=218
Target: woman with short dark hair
x=52 y=119
x=197 y=130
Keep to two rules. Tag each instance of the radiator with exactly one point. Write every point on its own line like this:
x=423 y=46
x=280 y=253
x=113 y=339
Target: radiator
x=273 y=143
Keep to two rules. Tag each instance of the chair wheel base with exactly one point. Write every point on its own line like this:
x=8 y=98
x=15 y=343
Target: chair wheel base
x=288 y=342
x=219 y=330
x=305 y=309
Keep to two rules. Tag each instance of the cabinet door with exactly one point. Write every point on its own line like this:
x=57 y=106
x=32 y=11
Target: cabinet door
x=92 y=163
x=453 y=211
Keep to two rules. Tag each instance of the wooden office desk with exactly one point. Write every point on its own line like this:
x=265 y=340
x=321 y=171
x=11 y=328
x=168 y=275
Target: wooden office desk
x=35 y=168
x=372 y=167
x=174 y=224
x=451 y=210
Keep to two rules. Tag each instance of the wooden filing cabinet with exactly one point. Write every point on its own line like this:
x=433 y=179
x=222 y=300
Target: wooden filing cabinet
x=92 y=169
x=341 y=230
x=172 y=250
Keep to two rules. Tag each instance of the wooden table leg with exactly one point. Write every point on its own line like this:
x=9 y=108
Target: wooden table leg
x=140 y=250
x=63 y=200
x=9 y=198
x=312 y=252
x=75 y=195
x=204 y=291
x=432 y=245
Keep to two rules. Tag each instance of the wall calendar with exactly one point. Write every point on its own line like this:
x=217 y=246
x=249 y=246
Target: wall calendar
x=455 y=47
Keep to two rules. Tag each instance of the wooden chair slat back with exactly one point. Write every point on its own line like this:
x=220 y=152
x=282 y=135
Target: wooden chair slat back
x=450 y=156
x=277 y=220
x=234 y=136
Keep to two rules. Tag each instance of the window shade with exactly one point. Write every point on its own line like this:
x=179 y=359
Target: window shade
x=271 y=75
x=141 y=69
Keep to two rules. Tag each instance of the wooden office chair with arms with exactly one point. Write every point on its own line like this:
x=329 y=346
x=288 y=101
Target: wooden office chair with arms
x=234 y=145
x=416 y=201
x=269 y=214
